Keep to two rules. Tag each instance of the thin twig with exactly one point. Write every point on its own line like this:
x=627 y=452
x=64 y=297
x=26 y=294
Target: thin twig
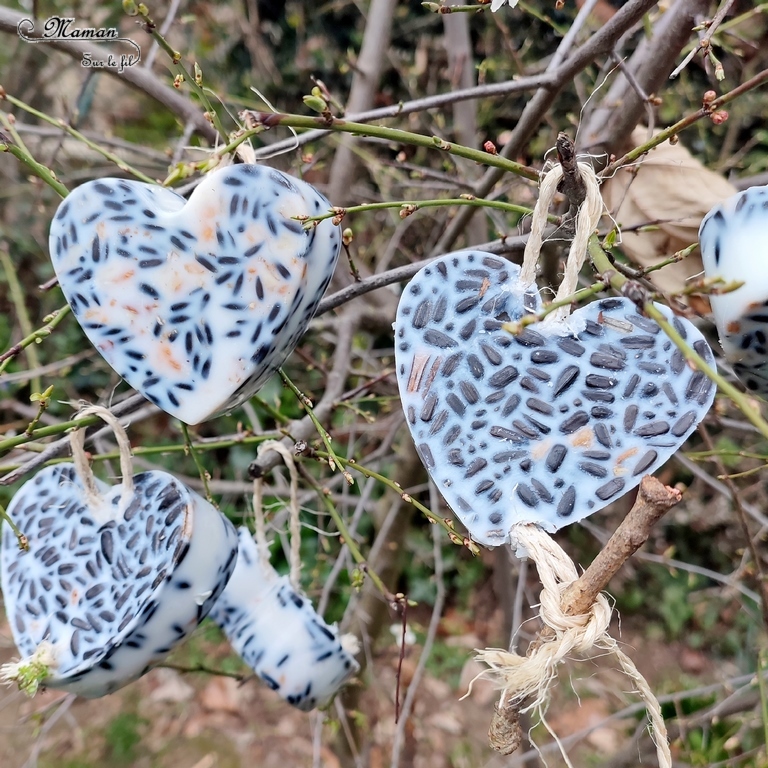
x=620 y=283
x=306 y=404
x=334 y=387
x=754 y=82
x=128 y=406
x=194 y=82
x=7 y=144
x=151 y=155
x=638 y=88
x=201 y=470
x=429 y=640
x=409 y=207
x=346 y=536
x=22 y=315
x=51 y=322
x=508 y=245
x=149 y=59
x=261 y=121
x=75 y=134
x=403 y=108
x=705 y=42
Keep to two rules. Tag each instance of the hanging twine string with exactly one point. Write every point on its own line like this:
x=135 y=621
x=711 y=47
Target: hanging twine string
x=531 y=676
x=93 y=497
x=587 y=220
x=260 y=525
x=294 y=525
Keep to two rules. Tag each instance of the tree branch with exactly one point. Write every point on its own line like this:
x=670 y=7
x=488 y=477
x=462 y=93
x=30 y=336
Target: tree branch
x=654 y=500
x=491 y=90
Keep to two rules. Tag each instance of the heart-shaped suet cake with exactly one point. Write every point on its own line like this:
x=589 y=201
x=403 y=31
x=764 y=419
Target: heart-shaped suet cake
x=195 y=303
x=279 y=635
x=109 y=590
x=734 y=247
x=546 y=426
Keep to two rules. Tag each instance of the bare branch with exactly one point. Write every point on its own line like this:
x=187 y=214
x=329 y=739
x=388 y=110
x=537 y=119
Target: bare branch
x=706 y=38
x=134 y=405
x=654 y=500
x=437 y=101
x=304 y=429
x=509 y=245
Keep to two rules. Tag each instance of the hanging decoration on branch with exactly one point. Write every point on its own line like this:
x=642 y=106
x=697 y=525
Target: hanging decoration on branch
x=114 y=577
x=530 y=418
x=734 y=247
x=195 y=303
x=272 y=625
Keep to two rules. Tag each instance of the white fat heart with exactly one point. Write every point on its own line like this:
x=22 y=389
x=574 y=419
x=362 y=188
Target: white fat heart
x=546 y=426
x=279 y=635
x=195 y=303
x=103 y=593
x=734 y=247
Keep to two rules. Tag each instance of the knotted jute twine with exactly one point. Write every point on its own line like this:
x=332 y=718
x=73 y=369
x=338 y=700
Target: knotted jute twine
x=529 y=678
x=587 y=218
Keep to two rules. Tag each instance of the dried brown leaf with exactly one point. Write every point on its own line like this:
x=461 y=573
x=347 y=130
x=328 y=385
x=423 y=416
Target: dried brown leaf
x=673 y=191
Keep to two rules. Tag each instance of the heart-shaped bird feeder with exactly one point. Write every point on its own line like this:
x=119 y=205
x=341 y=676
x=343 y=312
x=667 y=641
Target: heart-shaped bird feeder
x=274 y=627
x=195 y=303
x=547 y=425
x=114 y=576
x=734 y=247
x=529 y=418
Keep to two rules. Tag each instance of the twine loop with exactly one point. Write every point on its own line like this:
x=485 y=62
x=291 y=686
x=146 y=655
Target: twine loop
x=93 y=497
x=294 y=524
x=587 y=219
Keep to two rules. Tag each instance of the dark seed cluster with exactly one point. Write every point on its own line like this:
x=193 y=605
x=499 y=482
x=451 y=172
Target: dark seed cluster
x=546 y=426
x=733 y=238
x=195 y=303
x=110 y=597
x=278 y=633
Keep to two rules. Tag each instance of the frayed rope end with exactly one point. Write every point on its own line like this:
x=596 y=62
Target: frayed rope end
x=30 y=673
